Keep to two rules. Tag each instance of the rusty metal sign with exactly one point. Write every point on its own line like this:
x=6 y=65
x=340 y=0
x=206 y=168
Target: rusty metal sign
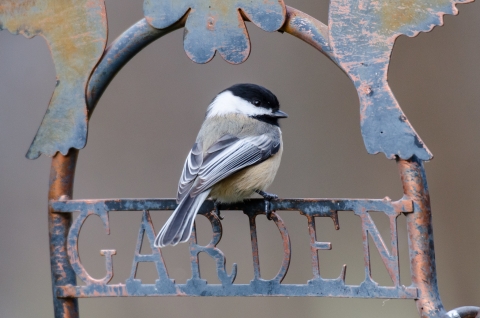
x=196 y=286
x=76 y=33
x=415 y=204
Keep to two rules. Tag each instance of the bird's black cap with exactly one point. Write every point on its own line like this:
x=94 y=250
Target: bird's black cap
x=257 y=95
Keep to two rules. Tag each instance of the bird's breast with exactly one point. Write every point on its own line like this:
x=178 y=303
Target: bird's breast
x=243 y=183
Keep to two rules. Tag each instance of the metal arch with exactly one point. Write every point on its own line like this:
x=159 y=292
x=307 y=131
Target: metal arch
x=119 y=53
x=141 y=34
x=384 y=126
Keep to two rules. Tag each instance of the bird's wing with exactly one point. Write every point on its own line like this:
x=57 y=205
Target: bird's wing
x=231 y=154
x=190 y=170
x=226 y=156
x=194 y=162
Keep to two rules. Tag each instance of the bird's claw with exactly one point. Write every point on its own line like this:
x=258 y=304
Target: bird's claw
x=268 y=197
x=268 y=210
x=217 y=210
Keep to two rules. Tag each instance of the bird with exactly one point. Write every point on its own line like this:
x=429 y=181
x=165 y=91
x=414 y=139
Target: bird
x=237 y=152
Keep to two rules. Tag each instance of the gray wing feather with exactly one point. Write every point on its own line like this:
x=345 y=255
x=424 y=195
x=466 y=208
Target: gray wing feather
x=190 y=170
x=239 y=154
x=179 y=226
x=195 y=160
x=222 y=143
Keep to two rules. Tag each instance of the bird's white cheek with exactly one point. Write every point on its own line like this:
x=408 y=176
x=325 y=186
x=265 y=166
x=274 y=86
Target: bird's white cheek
x=227 y=103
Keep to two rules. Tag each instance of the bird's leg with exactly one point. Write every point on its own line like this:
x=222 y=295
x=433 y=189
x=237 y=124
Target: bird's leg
x=217 y=209
x=267 y=197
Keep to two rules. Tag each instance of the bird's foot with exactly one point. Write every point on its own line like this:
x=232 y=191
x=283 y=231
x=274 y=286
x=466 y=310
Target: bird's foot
x=267 y=198
x=266 y=195
x=217 y=210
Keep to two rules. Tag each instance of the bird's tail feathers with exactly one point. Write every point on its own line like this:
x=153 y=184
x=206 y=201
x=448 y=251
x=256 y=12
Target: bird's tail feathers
x=179 y=226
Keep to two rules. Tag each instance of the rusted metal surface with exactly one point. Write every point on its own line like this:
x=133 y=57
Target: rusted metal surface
x=309 y=30
x=76 y=33
x=420 y=238
x=196 y=282
x=464 y=312
x=216 y=25
x=287 y=251
x=196 y=286
x=62 y=175
x=362 y=34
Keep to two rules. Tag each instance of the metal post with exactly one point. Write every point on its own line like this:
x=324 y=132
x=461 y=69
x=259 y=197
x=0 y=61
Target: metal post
x=62 y=174
x=420 y=238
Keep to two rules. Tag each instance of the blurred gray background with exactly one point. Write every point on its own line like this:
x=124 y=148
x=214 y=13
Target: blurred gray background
x=147 y=121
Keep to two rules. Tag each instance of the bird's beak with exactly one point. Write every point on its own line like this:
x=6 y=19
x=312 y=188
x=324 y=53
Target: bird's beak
x=280 y=114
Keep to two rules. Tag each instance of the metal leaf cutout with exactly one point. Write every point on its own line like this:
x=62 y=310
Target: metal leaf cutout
x=216 y=25
x=76 y=33
x=362 y=34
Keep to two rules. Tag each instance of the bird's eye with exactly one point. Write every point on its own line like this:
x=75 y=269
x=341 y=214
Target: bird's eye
x=256 y=102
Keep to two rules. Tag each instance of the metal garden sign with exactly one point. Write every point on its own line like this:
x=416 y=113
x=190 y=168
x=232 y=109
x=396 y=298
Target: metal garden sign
x=359 y=39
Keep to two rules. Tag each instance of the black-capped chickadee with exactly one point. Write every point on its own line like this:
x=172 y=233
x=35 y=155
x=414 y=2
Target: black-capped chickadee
x=237 y=152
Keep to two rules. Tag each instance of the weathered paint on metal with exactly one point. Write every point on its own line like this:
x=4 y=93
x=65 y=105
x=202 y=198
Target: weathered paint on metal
x=62 y=175
x=287 y=251
x=74 y=257
x=211 y=250
x=76 y=33
x=464 y=312
x=420 y=238
x=309 y=30
x=146 y=227
x=362 y=34
x=389 y=258
x=196 y=286
x=216 y=25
